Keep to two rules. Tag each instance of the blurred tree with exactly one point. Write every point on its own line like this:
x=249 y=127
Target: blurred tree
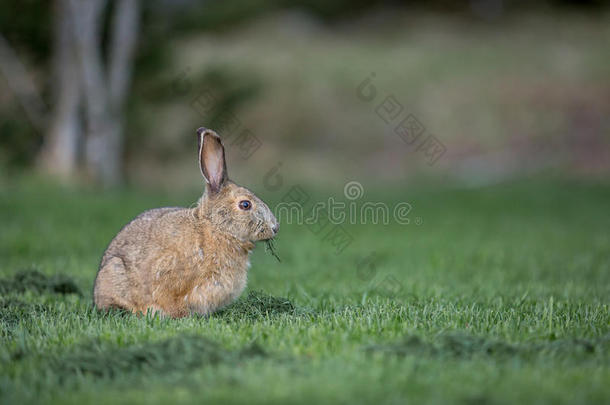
x=59 y=154
x=104 y=85
x=82 y=76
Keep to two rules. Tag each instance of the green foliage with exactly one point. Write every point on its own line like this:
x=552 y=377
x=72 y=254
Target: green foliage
x=27 y=25
x=180 y=353
x=224 y=15
x=219 y=15
x=466 y=346
x=19 y=142
x=33 y=280
x=503 y=298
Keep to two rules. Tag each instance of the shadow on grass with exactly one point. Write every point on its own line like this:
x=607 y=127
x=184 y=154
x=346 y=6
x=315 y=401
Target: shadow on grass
x=257 y=305
x=458 y=345
x=14 y=310
x=33 y=280
x=177 y=354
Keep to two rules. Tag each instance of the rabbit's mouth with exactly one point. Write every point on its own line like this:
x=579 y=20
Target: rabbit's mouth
x=265 y=238
x=265 y=233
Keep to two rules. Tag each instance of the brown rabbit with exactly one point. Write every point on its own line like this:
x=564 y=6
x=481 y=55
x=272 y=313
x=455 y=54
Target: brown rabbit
x=178 y=261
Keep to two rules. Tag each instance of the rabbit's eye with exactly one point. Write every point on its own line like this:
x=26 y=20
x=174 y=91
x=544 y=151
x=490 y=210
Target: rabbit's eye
x=245 y=205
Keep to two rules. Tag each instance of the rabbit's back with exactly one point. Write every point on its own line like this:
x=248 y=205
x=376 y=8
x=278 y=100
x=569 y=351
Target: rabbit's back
x=137 y=236
x=126 y=272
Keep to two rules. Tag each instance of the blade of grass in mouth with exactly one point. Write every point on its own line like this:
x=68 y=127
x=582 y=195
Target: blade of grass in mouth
x=271 y=248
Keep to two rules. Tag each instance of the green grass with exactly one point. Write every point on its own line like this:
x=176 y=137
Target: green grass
x=499 y=296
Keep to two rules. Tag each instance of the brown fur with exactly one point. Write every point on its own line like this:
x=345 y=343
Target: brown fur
x=178 y=261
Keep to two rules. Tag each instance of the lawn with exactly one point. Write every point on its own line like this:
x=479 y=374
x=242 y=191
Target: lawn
x=491 y=295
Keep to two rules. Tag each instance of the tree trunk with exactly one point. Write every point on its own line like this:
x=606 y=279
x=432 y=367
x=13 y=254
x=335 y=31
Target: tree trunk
x=105 y=95
x=121 y=53
x=59 y=155
x=125 y=25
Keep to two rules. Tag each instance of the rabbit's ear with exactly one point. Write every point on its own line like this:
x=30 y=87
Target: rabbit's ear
x=212 y=159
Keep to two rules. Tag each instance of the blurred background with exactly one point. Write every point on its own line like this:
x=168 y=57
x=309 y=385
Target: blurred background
x=469 y=92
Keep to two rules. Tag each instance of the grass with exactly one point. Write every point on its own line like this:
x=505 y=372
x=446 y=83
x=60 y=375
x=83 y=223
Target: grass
x=499 y=296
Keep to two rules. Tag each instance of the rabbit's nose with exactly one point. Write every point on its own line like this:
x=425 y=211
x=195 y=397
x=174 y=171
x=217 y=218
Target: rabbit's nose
x=275 y=228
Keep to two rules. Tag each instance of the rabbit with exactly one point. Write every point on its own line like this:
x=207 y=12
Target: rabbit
x=180 y=261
